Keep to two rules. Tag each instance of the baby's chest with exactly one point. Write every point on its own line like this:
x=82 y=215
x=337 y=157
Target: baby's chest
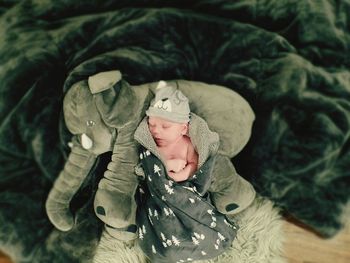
x=178 y=152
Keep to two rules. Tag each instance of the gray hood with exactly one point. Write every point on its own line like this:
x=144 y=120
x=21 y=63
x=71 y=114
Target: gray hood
x=205 y=142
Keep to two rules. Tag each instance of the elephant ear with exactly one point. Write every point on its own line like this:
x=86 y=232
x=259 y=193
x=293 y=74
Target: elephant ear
x=119 y=104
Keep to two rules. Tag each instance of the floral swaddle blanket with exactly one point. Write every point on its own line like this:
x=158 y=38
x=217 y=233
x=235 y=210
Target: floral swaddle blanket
x=176 y=221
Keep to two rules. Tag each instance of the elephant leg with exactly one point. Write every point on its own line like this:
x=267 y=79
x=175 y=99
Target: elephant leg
x=78 y=165
x=115 y=201
x=230 y=192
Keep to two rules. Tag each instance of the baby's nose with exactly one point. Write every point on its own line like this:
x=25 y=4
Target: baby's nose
x=155 y=130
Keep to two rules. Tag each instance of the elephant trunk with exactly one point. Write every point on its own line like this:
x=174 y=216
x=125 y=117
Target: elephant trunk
x=77 y=167
x=115 y=199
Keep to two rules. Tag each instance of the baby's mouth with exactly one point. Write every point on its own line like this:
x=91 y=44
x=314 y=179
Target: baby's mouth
x=159 y=141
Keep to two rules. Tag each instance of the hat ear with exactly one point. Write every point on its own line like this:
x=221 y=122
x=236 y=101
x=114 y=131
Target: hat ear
x=163 y=90
x=161 y=84
x=165 y=87
x=180 y=96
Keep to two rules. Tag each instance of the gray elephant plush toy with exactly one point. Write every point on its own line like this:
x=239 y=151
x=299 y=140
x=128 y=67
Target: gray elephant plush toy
x=103 y=113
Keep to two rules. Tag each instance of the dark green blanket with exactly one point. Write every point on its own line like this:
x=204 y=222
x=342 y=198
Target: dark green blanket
x=289 y=59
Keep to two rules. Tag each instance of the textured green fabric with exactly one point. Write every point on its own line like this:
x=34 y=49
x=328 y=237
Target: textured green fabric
x=289 y=59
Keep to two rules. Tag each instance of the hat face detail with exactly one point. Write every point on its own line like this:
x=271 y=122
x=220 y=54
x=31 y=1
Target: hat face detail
x=163 y=104
x=170 y=104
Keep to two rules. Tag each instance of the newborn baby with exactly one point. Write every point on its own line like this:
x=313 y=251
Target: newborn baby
x=174 y=146
x=176 y=220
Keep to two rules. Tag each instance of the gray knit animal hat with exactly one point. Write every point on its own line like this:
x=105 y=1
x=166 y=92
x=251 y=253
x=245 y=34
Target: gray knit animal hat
x=169 y=103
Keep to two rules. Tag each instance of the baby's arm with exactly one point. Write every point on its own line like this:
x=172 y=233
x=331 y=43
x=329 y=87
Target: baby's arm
x=190 y=168
x=192 y=159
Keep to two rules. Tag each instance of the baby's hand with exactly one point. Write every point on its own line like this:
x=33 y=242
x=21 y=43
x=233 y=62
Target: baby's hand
x=175 y=165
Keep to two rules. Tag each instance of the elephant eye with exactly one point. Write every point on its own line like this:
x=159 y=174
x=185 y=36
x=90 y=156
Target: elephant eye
x=90 y=123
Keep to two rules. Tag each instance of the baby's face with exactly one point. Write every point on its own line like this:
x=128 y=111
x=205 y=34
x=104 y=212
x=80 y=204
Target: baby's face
x=165 y=132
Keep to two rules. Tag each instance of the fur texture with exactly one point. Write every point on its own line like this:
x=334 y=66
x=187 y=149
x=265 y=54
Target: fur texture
x=259 y=239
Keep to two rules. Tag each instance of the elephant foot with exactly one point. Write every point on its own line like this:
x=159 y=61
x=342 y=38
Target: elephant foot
x=117 y=210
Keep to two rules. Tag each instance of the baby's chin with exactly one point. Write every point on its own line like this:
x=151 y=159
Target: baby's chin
x=160 y=142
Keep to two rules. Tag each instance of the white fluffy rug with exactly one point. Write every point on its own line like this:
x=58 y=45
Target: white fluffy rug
x=259 y=240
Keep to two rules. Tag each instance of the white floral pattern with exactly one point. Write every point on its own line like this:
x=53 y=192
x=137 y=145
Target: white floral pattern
x=169 y=189
x=175 y=241
x=142 y=232
x=154 y=251
x=157 y=170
